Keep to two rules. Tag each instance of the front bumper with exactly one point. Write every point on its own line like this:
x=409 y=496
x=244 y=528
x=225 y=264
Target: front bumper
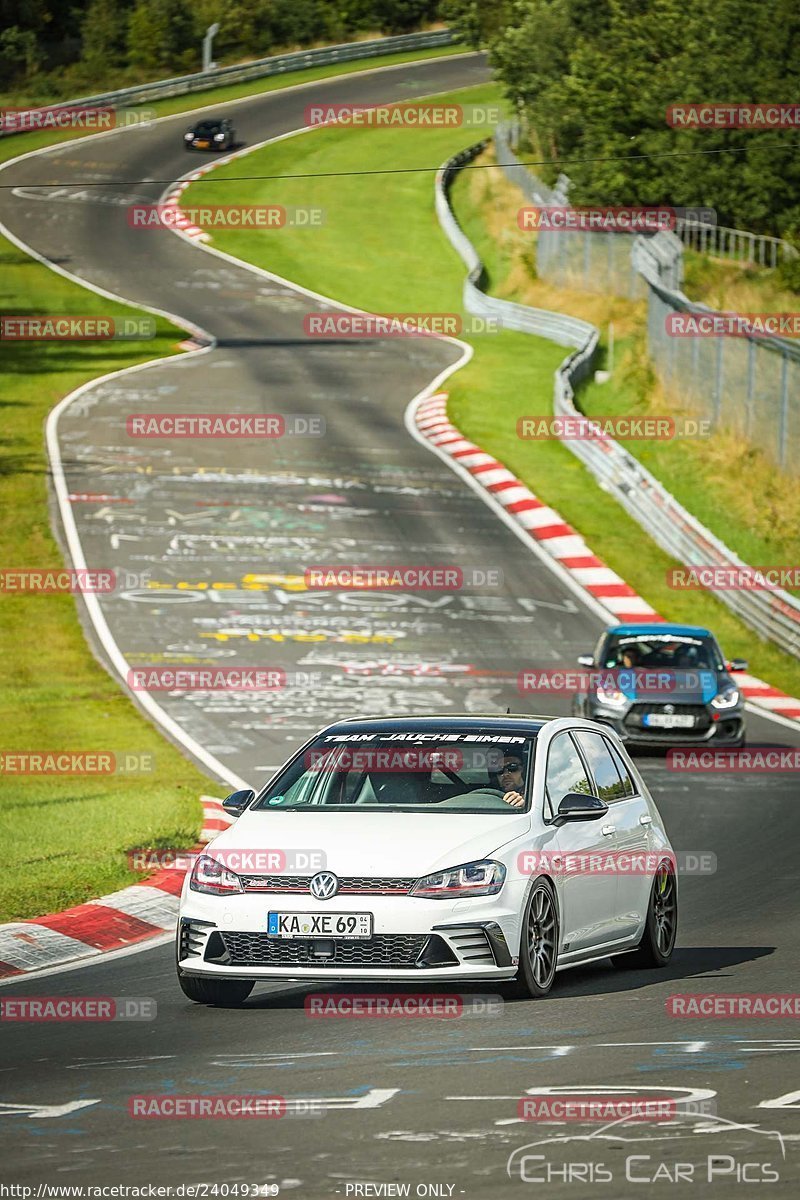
x=413 y=939
x=717 y=729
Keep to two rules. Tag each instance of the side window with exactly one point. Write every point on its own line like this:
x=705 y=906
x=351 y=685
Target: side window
x=624 y=772
x=606 y=776
x=565 y=771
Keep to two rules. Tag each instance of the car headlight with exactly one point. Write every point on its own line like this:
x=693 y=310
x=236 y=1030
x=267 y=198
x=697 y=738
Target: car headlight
x=727 y=699
x=484 y=878
x=187 y=137
x=219 y=137
x=612 y=697
x=211 y=877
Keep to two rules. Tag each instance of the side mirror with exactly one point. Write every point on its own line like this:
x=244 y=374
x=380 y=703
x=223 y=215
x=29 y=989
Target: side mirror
x=237 y=802
x=737 y=664
x=585 y=660
x=577 y=807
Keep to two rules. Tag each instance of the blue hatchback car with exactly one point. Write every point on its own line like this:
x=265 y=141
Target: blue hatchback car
x=663 y=685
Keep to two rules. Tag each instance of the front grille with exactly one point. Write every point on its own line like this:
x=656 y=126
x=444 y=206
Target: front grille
x=633 y=719
x=397 y=950
x=353 y=885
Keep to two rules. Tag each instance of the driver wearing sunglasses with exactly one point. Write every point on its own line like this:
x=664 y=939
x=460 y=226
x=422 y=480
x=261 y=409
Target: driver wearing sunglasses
x=510 y=779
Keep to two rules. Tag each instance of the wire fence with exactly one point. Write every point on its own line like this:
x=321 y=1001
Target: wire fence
x=747 y=383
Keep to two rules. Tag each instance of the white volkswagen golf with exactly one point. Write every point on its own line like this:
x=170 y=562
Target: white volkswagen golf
x=433 y=849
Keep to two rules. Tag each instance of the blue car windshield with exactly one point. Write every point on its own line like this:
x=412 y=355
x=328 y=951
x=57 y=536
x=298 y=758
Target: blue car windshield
x=663 y=651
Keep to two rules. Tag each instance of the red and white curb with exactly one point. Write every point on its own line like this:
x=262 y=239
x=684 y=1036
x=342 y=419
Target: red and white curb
x=177 y=218
x=134 y=914
x=552 y=533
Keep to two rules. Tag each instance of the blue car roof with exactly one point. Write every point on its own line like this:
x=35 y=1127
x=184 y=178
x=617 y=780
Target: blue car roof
x=660 y=627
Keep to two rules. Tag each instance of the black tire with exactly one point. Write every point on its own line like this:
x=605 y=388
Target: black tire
x=661 y=926
x=221 y=993
x=538 y=947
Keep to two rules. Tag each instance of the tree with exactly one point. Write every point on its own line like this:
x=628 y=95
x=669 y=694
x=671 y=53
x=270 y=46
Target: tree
x=103 y=37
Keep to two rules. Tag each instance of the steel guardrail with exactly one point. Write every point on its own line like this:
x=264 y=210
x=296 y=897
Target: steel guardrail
x=275 y=65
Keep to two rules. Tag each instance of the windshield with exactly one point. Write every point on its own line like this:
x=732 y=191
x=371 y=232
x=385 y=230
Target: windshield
x=441 y=772
x=668 y=650
x=207 y=127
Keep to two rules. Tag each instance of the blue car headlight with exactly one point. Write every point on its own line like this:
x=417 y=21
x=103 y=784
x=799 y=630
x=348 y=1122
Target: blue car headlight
x=728 y=698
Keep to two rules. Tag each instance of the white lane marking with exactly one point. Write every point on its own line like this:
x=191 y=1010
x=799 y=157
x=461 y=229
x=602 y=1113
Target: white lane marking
x=787 y=1100
x=43 y=1112
x=374 y=1098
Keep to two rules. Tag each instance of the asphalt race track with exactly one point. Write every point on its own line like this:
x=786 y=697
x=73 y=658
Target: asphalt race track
x=431 y=1104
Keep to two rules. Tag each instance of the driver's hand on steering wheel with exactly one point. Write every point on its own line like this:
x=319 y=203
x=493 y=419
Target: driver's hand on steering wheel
x=514 y=799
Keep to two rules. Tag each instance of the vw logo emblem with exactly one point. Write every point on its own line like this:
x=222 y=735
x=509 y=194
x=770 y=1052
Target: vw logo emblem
x=669 y=708
x=324 y=885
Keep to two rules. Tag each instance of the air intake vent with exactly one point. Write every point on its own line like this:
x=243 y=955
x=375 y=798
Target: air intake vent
x=193 y=938
x=471 y=944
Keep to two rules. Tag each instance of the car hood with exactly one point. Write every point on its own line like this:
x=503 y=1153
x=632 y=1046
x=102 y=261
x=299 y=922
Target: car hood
x=376 y=843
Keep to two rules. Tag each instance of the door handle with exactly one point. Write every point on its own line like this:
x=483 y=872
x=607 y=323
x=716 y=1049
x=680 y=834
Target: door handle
x=645 y=820
x=607 y=830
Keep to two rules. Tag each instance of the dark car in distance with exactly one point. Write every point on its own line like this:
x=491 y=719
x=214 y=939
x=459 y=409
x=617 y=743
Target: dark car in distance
x=663 y=685
x=210 y=134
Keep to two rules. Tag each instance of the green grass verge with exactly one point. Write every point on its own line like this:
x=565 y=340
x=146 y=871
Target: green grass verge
x=69 y=834
x=23 y=142
x=381 y=248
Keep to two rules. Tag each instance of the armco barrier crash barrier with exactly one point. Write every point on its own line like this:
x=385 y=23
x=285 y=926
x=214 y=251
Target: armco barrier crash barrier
x=276 y=65
x=773 y=614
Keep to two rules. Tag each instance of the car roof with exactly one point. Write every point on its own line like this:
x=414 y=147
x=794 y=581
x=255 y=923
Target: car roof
x=661 y=627
x=510 y=723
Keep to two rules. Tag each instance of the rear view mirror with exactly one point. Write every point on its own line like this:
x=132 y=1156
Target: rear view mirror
x=737 y=664
x=577 y=807
x=237 y=802
x=586 y=660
